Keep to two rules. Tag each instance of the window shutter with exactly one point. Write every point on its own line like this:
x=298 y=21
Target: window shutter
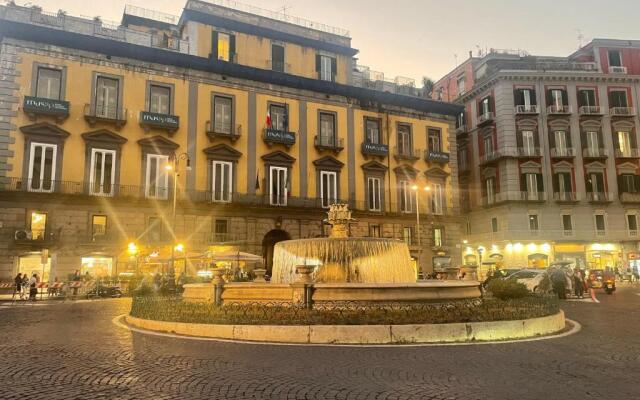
x=536 y=138
x=567 y=181
x=214 y=45
x=634 y=139
x=549 y=98
x=534 y=101
x=637 y=185
x=552 y=139
x=565 y=98
x=519 y=140
x=616 y=142
x=232 y=48
x=622 y=184
x=567 y=137
x=583 y=139
x=600 y=179
x=540 y=183
x=518 y=97
x=318 y=64
x=334 y=69
x=587 y=183
x=523 y=182
x=555 y=182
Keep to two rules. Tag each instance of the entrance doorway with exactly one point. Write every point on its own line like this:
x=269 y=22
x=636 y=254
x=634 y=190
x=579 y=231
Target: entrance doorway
x=32 y=264
x=268 y=243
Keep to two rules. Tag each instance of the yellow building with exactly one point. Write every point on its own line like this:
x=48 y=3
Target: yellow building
x=249 y=125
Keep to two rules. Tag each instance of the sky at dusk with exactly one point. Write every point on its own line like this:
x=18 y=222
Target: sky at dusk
x=414 y=38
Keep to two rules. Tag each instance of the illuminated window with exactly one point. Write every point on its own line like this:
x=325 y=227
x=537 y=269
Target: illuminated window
x=96 y=267
x=38 y=225
x=437 y=237
x=224 y=42
x=624 y=143
x=407 y=235
x=98 y=226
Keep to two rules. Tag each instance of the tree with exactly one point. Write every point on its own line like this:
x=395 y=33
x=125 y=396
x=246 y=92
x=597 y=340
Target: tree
x=427 y=86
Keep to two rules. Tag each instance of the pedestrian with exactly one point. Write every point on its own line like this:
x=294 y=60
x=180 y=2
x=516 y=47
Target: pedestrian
x=33 y=287
x=18 y=282
x=76 y=278
x=592 y=291
x=25 y=285
x=636 y=274
x=578 y=282
x=559 y=281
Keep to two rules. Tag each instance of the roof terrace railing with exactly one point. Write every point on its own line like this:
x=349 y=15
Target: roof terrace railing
x=151 y=14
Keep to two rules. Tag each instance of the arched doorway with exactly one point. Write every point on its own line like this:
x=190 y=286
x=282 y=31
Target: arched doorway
x=270 y=239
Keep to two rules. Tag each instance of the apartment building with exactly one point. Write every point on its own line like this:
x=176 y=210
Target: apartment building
x=548 y=155
x=223 y=129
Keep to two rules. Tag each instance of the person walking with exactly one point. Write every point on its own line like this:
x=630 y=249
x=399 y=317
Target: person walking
x=578 y=284
x=18 y=288
x=592 y=291
x=25 y=285
x=559 y=281
x=76 y=278
x=33 y=287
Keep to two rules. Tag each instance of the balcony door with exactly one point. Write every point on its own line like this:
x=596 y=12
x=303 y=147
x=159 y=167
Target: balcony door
x=561 y=143
x=595 y=185
x=528 y=143
x=221 y=181
x=328 y=188
x=404 y=140
x=157 y=179
x=102 y=173
x=107 y=97
x=624 y=143
x=593 y=143
x=437 y=199
x=278 y=186
x=42 y=167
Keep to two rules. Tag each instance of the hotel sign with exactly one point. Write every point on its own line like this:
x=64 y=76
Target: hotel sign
x=40 y=105
x=437 y=156
x=164 y=121
x=377 y=149
x=276 y=136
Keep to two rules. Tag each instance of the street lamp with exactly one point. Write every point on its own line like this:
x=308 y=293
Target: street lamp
x=132 y=249
x=173 y=166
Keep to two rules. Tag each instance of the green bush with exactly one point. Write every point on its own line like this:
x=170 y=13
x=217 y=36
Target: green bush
x=505 y=289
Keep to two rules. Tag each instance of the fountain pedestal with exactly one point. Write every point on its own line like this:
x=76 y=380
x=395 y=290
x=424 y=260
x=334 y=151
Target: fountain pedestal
x=259 y=273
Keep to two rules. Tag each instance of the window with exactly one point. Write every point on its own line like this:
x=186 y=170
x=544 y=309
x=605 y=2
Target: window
x=222 y=114
x=38 y=225
x=593 y=142
x=494 y=224
x=279 y=118
x=406 y=197
x=485 y=106
x=407 y=235
x=618 y=98
x=532 y=186
x=487 y=142
x=460 y=120
x=525 y=98
x=533 y=222
x=372 y=131
x=587 y=98
x=277 y=57
x=107 y=97
x=222 y=180
x=567 y=223
x=615 y=59
x=562 y=185
x=404 y=139
x=437 y=199
x=600 y=224
x=98 y=226
x=157 y=179
x=561 y=144
x=374 y=194
x=374 y=231
x=434 y=139
x=278 y=186
x=154 y=229
x=490 y=189
x=461 y=85
x=632 y=224
x=327 y=129
x=595 y=183
x=438 y=235
x=102 y=172
x=328 y=188
x=49 y=83
x=42 y=167
x=326 y=67
x=221 y=230
x=224 y=46
x=624 y=143
x=528 y=143
x=629 y=183
x=557 y=98
x=159 y=99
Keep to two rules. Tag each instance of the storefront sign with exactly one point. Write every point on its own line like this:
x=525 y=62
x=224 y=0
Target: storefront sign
x=165 y=121
x=276 y=136
x=375 y=149
x=438 y=156
x=39 y=105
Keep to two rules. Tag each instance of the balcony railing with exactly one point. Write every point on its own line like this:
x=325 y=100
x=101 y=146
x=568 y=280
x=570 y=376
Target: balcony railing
x=328 y=143
x=599 y=197
x=226 y=238
x=622 y=111
x=223 y=132
x=532 y=196
x=40 y=106
x=591 y=152
x=99 y=113
x=626 y=197
x=403 y=153
x=559 y=110
x=590 y=110
x=524 y=109
x=278 y=66
x=514 y=196
x=617 y=69
x=486 y=118
x=628 y=153
x=375 y=149
x=160 y=121
x=529 y=152
x=461 y=129
x=498 y=154
x=565 y=197
x=562 y=152
x=436 y=156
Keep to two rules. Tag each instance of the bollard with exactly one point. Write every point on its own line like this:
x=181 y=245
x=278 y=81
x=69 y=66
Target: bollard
x=259 y=273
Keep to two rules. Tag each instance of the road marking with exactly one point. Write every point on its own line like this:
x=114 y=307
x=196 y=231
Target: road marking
x=575 y=328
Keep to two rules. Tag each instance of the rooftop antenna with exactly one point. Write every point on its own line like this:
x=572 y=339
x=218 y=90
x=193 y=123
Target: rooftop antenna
x=283 y=10
x=580 y=38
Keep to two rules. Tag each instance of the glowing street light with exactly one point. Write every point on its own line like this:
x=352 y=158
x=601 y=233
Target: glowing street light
x=132 y=249
x=179 y=247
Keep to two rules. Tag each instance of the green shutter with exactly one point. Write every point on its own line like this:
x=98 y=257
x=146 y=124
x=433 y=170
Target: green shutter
x=214 y=45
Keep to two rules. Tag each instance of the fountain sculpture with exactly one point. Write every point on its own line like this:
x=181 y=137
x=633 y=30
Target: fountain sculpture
x=343 y=259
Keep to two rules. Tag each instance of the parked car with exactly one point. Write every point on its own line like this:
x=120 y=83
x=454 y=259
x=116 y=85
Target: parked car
x=533 y=279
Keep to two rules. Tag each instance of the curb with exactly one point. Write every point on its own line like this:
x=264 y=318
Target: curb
x=458 y=333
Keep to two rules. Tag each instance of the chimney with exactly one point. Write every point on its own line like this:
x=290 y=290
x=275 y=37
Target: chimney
x=470 y=53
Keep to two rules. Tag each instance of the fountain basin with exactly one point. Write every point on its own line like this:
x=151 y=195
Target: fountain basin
x=345 y=260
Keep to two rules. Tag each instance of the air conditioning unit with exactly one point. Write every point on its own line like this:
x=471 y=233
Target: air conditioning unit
x=22 y=235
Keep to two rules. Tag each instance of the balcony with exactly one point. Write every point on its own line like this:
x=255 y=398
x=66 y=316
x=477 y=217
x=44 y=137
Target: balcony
x=528 y=196
x=559 y=110
x=599 y=197
x=461 y=129
x=328 y=143
x=114 y=115
x=565 y=197
x=401 y=153
x=167 y=122
x=562 y=153
x=278 y=66
x=529 y=152
x=590 y=110
x=591 y=152
x=627 y=153
x=436 y=156
x=496 y=155
x=622 y=112
x=514 y=196
x=219 y=132
x=276 y=136
x=375 y=149
x=34 y=106
x=614 y=69
x=218 y=238
x=526 y=110
x=630 y=198
x=486 y=118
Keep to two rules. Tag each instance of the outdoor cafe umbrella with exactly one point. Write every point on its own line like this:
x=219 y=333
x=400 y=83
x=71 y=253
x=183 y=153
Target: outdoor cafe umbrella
x=235 y=256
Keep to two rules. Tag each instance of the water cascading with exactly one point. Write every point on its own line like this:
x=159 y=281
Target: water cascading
x=343 y=259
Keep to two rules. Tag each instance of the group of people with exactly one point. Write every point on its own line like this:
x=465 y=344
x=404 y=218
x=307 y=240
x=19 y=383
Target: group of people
x=563 y=282
x=26 y=287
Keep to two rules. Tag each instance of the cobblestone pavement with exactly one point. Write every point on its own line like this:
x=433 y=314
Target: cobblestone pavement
x=74 y=351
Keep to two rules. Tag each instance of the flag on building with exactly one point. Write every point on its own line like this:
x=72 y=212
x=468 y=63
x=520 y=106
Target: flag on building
x=268 y=119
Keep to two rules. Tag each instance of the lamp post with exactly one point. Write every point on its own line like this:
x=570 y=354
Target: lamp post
x=173 y=166
x=415 y=189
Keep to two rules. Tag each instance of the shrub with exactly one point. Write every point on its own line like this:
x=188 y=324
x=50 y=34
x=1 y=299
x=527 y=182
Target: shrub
x=505 y=289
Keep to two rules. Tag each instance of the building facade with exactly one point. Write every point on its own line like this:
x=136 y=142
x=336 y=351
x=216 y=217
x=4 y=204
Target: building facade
x=222 y=129
x=548 y=156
